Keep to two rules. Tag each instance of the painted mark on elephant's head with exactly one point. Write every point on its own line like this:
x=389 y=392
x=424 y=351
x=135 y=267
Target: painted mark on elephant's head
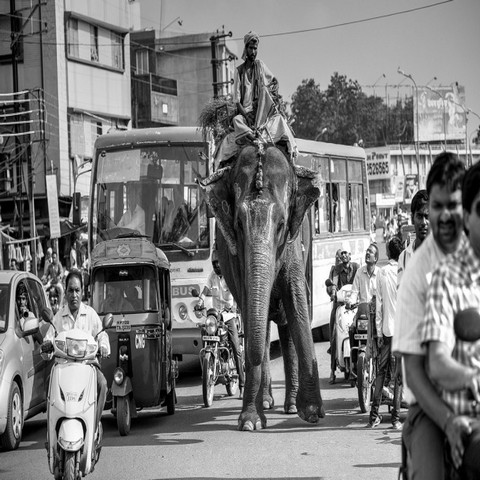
x=237 y=191
x=225 y=207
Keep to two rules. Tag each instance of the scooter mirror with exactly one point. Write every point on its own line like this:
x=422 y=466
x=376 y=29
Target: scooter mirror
x=466 y=325
x=194 y=292
x=107 y=321
x=47 y=315
x=328 y=283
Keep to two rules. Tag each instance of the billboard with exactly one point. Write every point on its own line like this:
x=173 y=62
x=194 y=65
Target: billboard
x=441 y=114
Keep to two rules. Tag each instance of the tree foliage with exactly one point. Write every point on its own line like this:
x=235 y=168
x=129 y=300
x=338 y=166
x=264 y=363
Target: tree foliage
x=344 y=114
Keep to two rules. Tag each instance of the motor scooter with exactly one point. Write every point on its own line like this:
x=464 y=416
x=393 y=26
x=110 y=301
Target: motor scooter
x=73 y=438
x=216 y=356
x=344 y=317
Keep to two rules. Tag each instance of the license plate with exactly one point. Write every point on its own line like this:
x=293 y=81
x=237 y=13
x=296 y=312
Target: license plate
x=210 y=338
x=360 y=336
x=123 y=326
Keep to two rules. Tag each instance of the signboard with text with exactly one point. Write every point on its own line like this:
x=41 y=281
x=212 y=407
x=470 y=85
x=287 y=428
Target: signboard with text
x=52 y=200
x=378 y=165
x=441 y=113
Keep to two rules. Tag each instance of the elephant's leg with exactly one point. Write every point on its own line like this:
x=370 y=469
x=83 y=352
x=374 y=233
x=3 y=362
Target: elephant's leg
x=309 y=400
x=290 y=366
x=252 y=416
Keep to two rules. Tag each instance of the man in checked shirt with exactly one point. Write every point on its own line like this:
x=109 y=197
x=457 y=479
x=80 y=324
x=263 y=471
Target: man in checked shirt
x=454 y=364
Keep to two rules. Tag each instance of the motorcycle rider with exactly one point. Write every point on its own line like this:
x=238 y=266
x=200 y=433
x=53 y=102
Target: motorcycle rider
x=75 y=314
x=342 y=274
x=223 y=300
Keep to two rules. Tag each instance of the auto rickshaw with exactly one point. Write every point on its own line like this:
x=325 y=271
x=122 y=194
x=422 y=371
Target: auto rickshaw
x=130 y=278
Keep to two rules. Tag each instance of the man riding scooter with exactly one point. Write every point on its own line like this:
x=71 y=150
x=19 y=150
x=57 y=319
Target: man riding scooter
x=342 y=275
x=223 y=299
x=75 y=314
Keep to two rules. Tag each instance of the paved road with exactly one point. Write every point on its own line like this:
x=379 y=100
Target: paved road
x=203 y=443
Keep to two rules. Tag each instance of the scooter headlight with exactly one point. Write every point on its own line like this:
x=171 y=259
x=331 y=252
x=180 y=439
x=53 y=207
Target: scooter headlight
x=118 y=376
x=211 y=324
x=76 y=348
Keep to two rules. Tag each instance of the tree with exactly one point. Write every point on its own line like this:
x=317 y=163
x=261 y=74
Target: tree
x=344 y=114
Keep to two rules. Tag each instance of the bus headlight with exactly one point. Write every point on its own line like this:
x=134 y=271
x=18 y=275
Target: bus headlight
x=182 y=312
x=211 y=325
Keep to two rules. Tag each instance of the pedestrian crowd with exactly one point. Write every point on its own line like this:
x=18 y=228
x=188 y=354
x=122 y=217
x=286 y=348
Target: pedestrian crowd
x=427 y=325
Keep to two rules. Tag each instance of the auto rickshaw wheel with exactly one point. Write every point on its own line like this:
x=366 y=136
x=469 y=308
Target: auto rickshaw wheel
x=363 y=382
x=171 y=399
x=208 y=379
x=232 y=384
x=124 y=417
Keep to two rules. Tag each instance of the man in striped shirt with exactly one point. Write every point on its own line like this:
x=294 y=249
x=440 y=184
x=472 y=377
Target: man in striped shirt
x=453 y=362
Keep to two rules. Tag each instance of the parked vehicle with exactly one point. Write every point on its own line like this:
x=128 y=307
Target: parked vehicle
x=23 y=372
x=364 y=353
x=130 y=278
x=216 y=355
x=73 y=436
x=344 y=317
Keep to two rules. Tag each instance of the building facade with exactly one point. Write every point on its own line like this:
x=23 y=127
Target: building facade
x=64 y=80
x=395 y=175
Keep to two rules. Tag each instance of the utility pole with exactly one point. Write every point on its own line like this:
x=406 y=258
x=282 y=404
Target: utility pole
x=213 y=44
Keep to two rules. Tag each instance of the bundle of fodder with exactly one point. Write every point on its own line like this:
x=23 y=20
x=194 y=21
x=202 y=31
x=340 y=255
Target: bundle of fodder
x=216 y=117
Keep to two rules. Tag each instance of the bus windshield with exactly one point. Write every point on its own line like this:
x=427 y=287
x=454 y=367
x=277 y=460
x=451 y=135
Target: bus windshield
x=151 y=191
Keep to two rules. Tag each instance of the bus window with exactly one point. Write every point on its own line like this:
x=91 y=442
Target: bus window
x=357 y=216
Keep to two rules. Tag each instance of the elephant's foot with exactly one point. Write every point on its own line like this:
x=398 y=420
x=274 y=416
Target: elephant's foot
x=308 y=410
x=250 y=421
x=289 y=407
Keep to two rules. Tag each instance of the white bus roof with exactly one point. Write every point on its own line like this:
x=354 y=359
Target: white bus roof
x=329 y=149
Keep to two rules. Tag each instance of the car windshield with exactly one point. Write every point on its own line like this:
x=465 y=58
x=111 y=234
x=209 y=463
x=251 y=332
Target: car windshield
x=3 y=307
x=124 y=289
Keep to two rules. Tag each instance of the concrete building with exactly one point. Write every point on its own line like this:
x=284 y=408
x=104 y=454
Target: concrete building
x=70 y=59
x=394 y=175
x=174 y=77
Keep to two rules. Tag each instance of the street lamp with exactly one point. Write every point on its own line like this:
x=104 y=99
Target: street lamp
x=444 y=114
x=407 y=75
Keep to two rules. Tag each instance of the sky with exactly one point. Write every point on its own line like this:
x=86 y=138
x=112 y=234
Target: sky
x=365 y=40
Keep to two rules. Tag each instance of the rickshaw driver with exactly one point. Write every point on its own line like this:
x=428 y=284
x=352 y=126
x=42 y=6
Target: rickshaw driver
x=75 y=314
x=223 y=302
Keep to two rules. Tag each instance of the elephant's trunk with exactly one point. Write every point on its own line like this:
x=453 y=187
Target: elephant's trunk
x=259 y=280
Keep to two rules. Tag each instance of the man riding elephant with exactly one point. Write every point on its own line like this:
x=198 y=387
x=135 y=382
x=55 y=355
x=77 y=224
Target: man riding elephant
x=258 y=103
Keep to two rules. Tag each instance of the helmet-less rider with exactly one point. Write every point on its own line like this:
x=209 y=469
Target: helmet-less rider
x=222 y=300
x=75 y=314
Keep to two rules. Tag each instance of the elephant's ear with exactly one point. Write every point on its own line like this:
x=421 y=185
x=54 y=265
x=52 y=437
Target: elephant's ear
x=219 y=200
x=307 y=192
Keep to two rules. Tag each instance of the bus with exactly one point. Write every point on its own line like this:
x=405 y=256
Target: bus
x=159 y=167
x=162 y=165
x=340 y=218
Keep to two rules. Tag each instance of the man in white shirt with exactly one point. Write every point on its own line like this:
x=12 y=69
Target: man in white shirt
x=75 y=314
x=384 y=319
x=365 y=281
x=134 y=217
x=425 y=427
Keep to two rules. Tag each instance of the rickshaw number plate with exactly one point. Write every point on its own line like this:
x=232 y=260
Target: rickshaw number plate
x=123 y=326
x=210 y=338
x=360 y=336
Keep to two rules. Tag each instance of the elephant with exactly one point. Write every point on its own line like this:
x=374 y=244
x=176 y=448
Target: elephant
x=259 y=202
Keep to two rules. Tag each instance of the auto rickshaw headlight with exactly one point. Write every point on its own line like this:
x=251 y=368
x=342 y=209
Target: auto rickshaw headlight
x=211 y=324
x=362 y=324
x=183 y=312
x=118 y=376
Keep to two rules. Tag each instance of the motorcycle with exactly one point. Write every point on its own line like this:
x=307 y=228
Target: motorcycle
x=216 y=355
x=73 y=440
x=364 y=353
x=344 y=317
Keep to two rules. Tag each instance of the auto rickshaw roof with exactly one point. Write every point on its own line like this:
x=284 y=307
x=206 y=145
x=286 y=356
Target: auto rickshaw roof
x=128 y=250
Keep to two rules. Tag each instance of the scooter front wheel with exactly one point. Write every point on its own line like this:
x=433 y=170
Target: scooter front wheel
x=124 y=417
x=364 y=383
x=70 y=466
x=208 y=379
x=232 y=384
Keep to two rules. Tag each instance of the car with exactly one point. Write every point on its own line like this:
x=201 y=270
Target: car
x=23 y=372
